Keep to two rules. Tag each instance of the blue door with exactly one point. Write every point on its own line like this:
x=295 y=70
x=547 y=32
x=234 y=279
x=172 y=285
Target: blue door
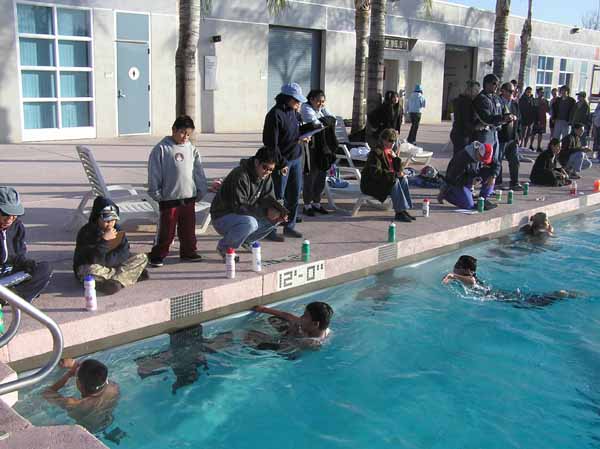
x=133 y=74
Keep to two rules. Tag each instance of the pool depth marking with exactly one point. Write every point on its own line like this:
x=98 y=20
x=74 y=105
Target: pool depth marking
x=301 y=275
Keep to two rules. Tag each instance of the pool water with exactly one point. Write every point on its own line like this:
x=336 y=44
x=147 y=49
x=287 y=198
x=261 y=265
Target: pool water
x=410 y=363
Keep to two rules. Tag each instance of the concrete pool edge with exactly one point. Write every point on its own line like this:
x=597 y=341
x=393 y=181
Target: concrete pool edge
x=111 y=329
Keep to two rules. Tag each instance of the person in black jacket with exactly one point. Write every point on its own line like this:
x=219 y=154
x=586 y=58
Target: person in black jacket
x=13 y=250
x=383 y=176
x=563 y=110
x=281 y=131
x=388 y=115
x=245 y=209
x=528 y=117
x=463 y=126
x=545 y=171
x=573 y=155
x=102 y=250
x=508 y=136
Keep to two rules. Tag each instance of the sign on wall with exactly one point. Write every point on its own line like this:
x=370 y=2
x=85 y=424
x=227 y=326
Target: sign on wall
x=210 y=73
x=396 y=43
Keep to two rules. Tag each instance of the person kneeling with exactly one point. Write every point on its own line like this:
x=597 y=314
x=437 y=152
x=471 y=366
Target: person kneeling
x=245 y=209
x=26 y=277
x=383 y=176
x=102 y=250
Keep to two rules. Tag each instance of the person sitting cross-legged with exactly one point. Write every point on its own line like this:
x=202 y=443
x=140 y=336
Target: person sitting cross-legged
x=573 y=155
x=383 y=176
x=245 y=209
x=102 y=250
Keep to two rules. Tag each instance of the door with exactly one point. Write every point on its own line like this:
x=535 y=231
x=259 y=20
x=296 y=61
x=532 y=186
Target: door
x=133 y=74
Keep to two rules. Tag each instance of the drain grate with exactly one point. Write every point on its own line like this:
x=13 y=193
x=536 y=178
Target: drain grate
x=387 y=253
x=186 y=305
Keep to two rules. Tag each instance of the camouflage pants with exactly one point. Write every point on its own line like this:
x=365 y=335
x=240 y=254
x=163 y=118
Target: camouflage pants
x=127 y=274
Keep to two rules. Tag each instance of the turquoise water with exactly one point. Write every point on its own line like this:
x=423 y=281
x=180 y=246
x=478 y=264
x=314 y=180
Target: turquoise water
x=410 y=363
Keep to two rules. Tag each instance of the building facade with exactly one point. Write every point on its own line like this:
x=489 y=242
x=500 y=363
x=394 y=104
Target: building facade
x=102 y=68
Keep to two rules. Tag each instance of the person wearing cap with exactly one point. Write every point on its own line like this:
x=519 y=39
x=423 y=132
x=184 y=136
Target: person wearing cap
x=476 y=160
x=13 y=249
x=572 y=154
x=563 y=110
x=281 y=131
x=508 y=136
x=102 y=251
x=463 y=125
x=582 y=115
x=416 y=104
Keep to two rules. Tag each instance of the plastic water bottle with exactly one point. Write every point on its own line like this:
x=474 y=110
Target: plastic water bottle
x=89 y=286
x=392 y=232
x=480 y=204
x=305 y=251
x=510 y=197
x=230 y=263
x=573 y=190
x=256 y=257
x=525 y=189
x=426 y=207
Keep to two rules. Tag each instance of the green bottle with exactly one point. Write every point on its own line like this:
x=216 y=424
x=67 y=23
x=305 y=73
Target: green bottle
x=480 y=204
x=526 y=189
x=510 y=196
x=392 y=232
x=1 y=321
x=305 y=251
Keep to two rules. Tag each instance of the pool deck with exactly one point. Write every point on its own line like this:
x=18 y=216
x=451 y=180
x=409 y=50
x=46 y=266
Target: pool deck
x=51 y=181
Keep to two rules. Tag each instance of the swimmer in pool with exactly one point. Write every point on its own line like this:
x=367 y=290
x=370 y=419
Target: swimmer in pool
x=296 y=332
x=465 y=271
x=538 y=226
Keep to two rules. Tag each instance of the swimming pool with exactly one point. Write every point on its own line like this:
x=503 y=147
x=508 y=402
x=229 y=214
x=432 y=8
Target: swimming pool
x=410 y=364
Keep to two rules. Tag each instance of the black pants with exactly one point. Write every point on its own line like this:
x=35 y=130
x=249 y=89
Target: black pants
x=415 y=119
x=508 y=150
x=459 y=141
x=30 y=289
x=313 y=186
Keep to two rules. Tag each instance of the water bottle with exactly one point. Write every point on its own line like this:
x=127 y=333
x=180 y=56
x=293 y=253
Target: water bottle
x=89 y=286
x=573 y=190
x=426 y=207
x=392 y=232
x=256 y=257
x=230 y=263
x=305 y=251
x=480 y=204
x=510 y=197
x=526 y=189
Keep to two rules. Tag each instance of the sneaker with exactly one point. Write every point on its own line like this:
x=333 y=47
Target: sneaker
x=247 y=246
x=402 y=216
x=274 y=237
x=144 y=275
x=488 y=205
x=156 y=262
x=288 y=232
x=409 y=215
x=320 y=209
x=194 y=257
x=298 y=219
x=108 y=287
x=516 y=187
x=309 y=211
x=223 y=254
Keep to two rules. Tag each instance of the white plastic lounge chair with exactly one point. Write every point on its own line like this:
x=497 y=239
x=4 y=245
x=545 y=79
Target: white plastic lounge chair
x=353 y=191
x=132 y=204
x=414 y=155
x=344 y=153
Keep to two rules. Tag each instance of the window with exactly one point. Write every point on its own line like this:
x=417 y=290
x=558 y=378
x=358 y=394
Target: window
x=583 y=77
x=566 y=72
x=56 y=70
x=545 y=70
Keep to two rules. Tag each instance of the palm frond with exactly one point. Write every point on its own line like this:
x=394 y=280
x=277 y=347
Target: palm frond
x=205 y=7
x=276 y=6
x=428 y=5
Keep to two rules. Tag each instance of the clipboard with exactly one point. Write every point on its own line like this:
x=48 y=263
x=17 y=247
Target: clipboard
x=114 y=243
x=310 y=133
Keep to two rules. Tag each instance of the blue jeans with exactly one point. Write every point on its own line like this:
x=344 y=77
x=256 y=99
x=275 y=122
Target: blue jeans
x=561 y=129
x=237 y=229
x=289 y=187
x=400 y=194
x=462 y=197
x=578 y=162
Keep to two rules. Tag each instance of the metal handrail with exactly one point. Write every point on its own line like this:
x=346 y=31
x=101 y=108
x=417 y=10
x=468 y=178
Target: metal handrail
x=19 y=304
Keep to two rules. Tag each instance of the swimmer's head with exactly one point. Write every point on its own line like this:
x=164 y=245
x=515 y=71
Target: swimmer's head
x=465 y=266
x=539 y=222
x=92 y=377
x=318 y=314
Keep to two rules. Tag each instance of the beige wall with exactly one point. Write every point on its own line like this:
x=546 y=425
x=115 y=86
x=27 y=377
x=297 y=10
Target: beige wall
x=10 y=108
x=105 y=73
x=338 y=64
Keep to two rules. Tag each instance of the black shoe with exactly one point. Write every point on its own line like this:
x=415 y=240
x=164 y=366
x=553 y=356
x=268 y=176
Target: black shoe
x=108 y=287
x=274 y=237
x=320 y=209
x=223 y=254
x=409 y=215
x=156 y=262
x=516 y=187
x=488 y=205
x=298 y=218
x=402 y=216
x=194 y=257
x=144 y=275
x=292 y=233
x=309 y=211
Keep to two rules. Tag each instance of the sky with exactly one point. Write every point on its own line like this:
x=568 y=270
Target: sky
x=560 y=11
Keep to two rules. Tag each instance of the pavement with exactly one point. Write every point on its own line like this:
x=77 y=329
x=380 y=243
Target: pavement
x=51 y=181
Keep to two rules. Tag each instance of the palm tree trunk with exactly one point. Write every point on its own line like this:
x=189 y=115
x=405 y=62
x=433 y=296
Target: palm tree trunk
x=525 y=38
x=185 y=57
x=361 y=25
x=376 y=44
x=501 y=36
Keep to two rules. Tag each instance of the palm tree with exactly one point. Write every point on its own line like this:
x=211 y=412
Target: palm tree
x=501 y=36
x=525 y=38
x=361 y=26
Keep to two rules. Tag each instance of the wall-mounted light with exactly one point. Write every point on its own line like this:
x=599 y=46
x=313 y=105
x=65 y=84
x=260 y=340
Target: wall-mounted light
x=490 y=62
x=216 y=38
x=574 y=30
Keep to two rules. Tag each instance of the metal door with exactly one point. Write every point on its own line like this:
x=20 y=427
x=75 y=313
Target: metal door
x=133 y=87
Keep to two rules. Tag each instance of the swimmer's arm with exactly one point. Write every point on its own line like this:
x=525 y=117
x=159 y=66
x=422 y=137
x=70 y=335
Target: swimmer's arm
x=278 y=313
x=469 y=281
x=51 y=394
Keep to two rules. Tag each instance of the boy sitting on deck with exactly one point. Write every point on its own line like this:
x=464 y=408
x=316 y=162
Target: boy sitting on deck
x=99 y=397
x=308 y=331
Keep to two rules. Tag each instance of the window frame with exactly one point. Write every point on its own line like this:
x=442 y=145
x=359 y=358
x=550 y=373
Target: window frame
x=583 y=77
x=566 y=72
x=60 y=132
x=547 y=87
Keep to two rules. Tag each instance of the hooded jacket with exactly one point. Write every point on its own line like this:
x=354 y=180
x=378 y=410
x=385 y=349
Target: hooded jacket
x=91 y=248
x=465 y=166
x=377 y=178
x=281 y=131
x=243 y=193
x=13 y=250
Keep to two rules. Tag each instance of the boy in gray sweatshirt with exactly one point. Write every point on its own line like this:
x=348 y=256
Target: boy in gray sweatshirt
x=176 y=180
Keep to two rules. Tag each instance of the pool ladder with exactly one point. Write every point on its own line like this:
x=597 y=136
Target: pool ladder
x=19 y=305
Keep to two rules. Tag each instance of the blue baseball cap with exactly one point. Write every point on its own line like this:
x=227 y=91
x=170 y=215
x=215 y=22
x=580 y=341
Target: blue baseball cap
x=418 y=88
x=293 y=90
x=10 y=203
